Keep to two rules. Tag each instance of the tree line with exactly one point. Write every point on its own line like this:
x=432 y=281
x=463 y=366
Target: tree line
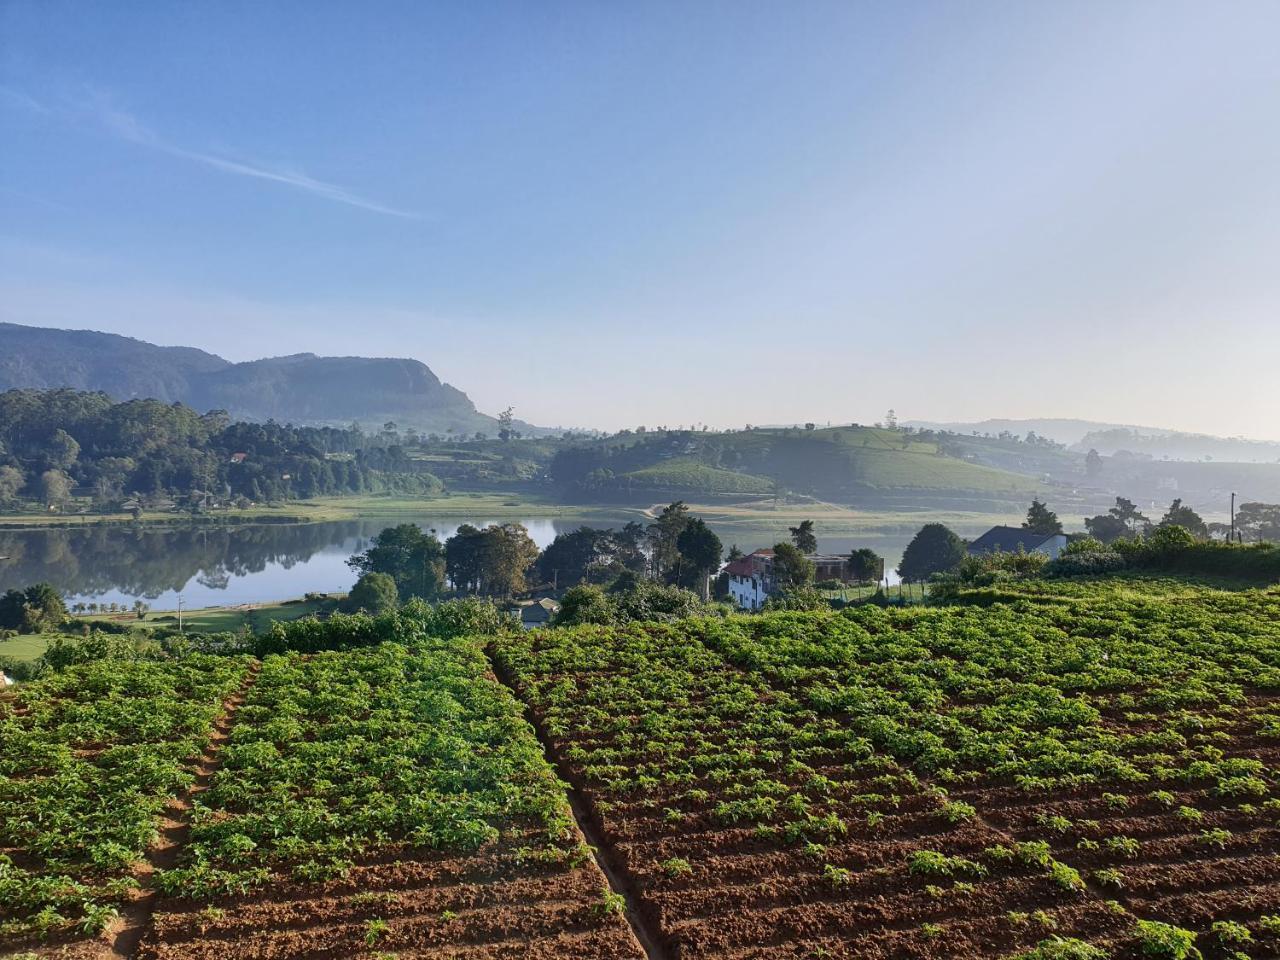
x=55 y=444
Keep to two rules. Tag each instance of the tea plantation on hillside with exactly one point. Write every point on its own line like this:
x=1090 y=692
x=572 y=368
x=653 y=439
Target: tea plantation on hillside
x=1078 y=769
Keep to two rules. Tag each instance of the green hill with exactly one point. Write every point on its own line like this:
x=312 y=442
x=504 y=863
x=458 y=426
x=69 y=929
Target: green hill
x=840 y=464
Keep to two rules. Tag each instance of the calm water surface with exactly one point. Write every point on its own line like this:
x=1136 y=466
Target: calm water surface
x=227 y=565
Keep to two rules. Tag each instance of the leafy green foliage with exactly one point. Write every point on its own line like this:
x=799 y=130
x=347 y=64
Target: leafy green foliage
x=89 y=758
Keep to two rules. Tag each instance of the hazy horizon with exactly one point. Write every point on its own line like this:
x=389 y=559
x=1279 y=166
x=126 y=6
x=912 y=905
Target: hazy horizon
x=719 y=213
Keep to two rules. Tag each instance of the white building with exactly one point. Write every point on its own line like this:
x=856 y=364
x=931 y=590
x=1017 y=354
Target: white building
x=751 y=579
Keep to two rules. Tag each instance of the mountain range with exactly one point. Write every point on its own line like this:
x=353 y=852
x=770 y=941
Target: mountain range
x=1109 y=439
x=300 y=389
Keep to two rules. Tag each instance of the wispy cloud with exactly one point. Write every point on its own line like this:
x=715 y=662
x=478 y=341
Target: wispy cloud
x=126 y=126
x=23 y=101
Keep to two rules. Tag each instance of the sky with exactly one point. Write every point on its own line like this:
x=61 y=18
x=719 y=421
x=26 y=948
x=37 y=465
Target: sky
x=608 y=214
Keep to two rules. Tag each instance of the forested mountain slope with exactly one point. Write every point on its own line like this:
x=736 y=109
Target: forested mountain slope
x=300 y=389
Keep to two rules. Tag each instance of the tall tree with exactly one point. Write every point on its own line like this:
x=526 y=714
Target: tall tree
x=411 y=557
x=865 y=565
x=11 y=481
x=62 y=450
x=664 y=532
x=1105 y=528
x=1040 y=519
x=1093 y=464
x=1180 y=515
x=1127 y=513
x=464 y=558
x=508 y=554
x=935 y=549
x=55 y=488
x=791 y=568
x=803 y=537
x=505 y=420
x=1258 y=521
x=700 y=552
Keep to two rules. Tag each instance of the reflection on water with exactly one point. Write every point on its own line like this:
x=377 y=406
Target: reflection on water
x=224 y=565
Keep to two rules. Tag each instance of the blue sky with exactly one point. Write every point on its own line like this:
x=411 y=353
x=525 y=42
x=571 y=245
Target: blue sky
x=613 y=214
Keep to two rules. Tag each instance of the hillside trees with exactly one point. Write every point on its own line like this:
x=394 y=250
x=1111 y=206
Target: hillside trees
x=154 y=449
x=935 y=549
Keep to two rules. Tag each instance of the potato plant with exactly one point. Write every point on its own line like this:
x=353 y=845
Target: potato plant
x=89 y=758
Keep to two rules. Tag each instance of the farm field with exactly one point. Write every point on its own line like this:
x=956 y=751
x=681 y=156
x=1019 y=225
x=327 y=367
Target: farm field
x=380 y=801
x=1042 y=770
x=960 y=782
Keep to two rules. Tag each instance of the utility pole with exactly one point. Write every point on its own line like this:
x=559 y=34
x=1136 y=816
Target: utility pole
x=179 y=613
x=1233 y=518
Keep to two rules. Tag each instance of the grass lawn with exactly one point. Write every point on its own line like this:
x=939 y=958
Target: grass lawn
x=258 y=616
x=503 y=506
x=25 y=647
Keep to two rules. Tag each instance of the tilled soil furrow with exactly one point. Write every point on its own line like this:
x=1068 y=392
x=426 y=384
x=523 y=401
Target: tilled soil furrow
x=589 y=823
x=174 y=829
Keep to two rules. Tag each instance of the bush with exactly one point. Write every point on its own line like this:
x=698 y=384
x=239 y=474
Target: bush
x=34 y=610
x=16 y=669
x=416 y=620
x=1086 y=563
x=64 y=652
x=986 y=570
x=797 y=598
x=631 y=599
x=1166 y=941
x=374 y=593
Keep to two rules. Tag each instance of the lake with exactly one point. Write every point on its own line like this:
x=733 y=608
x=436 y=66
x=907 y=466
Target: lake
x=217 y=565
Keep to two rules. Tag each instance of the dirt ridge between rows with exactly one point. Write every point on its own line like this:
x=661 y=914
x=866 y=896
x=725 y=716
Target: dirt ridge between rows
x=175 y=827
x=620 y=882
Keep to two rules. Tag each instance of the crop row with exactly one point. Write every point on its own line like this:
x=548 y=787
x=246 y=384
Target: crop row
x=969 y=780
x=89 y=759
x=392 y=796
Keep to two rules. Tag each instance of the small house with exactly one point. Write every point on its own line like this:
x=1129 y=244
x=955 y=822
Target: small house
x=539 y=613
x=1018 y=540
x=751 y=579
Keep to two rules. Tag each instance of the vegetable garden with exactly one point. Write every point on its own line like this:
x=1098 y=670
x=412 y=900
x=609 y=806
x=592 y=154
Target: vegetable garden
x=1090 y=769
x=1044 y=770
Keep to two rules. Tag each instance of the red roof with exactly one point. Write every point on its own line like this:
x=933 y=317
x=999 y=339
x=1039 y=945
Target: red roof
x=741 y=568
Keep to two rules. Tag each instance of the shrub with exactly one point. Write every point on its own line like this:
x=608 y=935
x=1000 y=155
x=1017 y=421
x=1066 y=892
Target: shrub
x=34 y=610
x=373 y=593
x=1165 y=941
x=1062 y=948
